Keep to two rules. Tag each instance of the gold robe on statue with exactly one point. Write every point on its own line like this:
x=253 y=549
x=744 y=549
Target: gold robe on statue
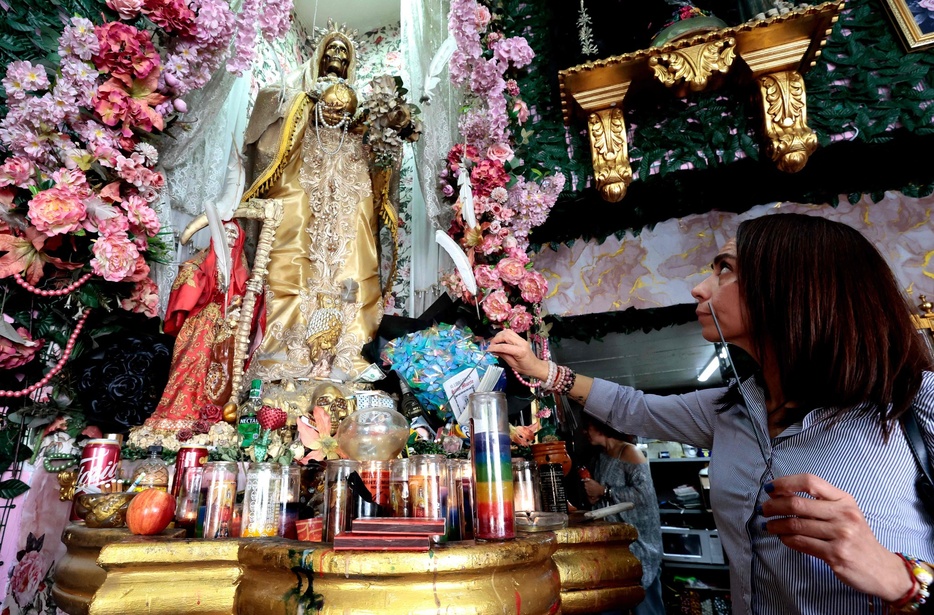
x=322 y=296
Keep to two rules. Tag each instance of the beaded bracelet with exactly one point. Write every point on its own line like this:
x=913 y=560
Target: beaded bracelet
x=919 y=592
x=563 y=381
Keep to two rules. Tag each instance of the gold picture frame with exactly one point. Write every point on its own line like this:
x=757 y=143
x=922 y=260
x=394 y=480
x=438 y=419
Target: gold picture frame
x=914 y=22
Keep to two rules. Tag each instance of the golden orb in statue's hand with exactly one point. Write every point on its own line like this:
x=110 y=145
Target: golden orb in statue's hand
x=337 y=102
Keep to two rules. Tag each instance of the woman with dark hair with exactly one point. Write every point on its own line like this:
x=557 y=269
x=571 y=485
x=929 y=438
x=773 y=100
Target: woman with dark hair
x=813 y=483
x=621 y=474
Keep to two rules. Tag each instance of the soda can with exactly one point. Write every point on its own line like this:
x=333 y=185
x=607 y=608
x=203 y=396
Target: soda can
x=98 y=468
x=193 y=456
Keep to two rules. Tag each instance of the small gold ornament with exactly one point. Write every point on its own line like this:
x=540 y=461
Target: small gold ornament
x=230 y=412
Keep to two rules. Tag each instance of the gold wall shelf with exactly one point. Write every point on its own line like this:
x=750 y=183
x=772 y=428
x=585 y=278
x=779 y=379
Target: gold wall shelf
x=771 y=53
x=572 y=571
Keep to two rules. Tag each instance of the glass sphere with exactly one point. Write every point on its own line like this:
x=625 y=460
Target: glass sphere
x=376 y=434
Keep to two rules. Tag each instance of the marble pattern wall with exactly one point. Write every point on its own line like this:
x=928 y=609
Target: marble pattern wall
x=659 y=267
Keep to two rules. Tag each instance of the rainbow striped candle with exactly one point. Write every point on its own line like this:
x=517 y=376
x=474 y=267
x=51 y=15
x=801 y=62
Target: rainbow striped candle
x=494 y=518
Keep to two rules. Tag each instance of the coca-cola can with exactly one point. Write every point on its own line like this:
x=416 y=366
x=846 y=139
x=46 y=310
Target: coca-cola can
x=193 y=456
x=99 y=466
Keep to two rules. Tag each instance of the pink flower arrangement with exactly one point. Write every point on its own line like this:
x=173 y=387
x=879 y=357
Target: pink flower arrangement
x=78 y=176
x=506 y=205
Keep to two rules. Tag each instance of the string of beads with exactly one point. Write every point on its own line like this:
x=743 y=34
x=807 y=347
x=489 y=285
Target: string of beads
x=66 y=353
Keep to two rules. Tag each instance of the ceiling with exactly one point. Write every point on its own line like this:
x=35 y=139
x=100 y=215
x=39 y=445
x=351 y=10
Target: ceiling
x=667 y=360
x=362 y=15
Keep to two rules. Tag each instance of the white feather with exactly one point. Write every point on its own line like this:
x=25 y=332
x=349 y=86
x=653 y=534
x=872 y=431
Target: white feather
x=234 y=183
x=460 y=260
x=438 y=63
x=219 y=244
x=466 y=198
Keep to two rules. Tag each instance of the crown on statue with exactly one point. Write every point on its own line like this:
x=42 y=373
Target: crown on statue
x=321 y=34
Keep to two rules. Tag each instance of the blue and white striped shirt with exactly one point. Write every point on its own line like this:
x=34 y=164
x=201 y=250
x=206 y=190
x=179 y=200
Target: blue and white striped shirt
x=766 y=577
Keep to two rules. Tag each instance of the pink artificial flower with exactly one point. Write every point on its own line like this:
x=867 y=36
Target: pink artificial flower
x=447 y=190
x=114 y=257
x=125 y=52
x=483 y=17
x=514 y=50
x=144 y=299
x=127 y=9
x=114 y=225
x=27 y=575
x=17 y=171
x=500 y=195
x=14 y=355
x=318 y=437
x=533 y=287
x=511 y=270
x=520 y=320
x=521 y=110
x=487 y=277
x=512 y=88
x=171 y=15
x=456 y=156
x=488 y=175
x=56 y=211
x=501 y=152
x=496 y=306
x=140 y=272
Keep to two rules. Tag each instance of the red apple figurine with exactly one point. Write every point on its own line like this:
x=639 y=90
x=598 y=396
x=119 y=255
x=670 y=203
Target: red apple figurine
x=150 y=512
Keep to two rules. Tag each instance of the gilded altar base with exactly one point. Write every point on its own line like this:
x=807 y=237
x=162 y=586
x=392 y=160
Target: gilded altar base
x=576 y=570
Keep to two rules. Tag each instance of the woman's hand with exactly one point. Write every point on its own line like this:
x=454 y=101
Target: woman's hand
x=594 y=490
x=831 y=527
x=517 y=353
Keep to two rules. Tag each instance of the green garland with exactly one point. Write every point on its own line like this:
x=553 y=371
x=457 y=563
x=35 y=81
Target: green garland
x=863 y=83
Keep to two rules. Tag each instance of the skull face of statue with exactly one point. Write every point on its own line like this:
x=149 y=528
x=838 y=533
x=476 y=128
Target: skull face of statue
x=336 y=59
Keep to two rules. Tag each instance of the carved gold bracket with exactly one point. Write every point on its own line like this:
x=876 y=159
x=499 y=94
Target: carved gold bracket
x=789 y=140
x=693 y=68
x=771 y=53
x=611 y=170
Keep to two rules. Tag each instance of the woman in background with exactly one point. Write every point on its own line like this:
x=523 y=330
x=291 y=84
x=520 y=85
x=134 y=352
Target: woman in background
x=621 y=474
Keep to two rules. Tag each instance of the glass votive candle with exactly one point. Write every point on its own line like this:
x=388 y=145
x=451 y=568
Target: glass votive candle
x=492 y=467
x=375 y=476
x=452 y=498
x=260 y=515
x=527 y=493
x=465 y=475
x=428 y=488
x=399 y=488
x=338 y=510
x=289 y=501
x=218 y=495
x=189 y=495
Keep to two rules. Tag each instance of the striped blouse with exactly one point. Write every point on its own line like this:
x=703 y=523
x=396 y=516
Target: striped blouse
x=767 y=577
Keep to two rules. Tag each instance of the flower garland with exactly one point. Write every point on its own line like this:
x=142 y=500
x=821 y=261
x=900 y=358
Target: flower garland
x=483 y=173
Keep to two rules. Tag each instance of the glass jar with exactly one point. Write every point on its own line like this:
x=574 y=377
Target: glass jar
x=260 y=514
x=375 y=476
x=492 y=467
x=551 y=477
x=187 y=504
x=338 y=510
x=218 y=495
x=526 y=485
x=289 y=501
x=399 y=488
x=465 y=476
x=452 y=499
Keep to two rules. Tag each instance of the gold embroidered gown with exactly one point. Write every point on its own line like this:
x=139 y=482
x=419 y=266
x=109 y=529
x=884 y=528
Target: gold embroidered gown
x=322 y=293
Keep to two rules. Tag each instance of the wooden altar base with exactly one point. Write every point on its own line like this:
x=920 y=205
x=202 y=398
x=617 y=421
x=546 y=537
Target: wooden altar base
x=573 y=571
